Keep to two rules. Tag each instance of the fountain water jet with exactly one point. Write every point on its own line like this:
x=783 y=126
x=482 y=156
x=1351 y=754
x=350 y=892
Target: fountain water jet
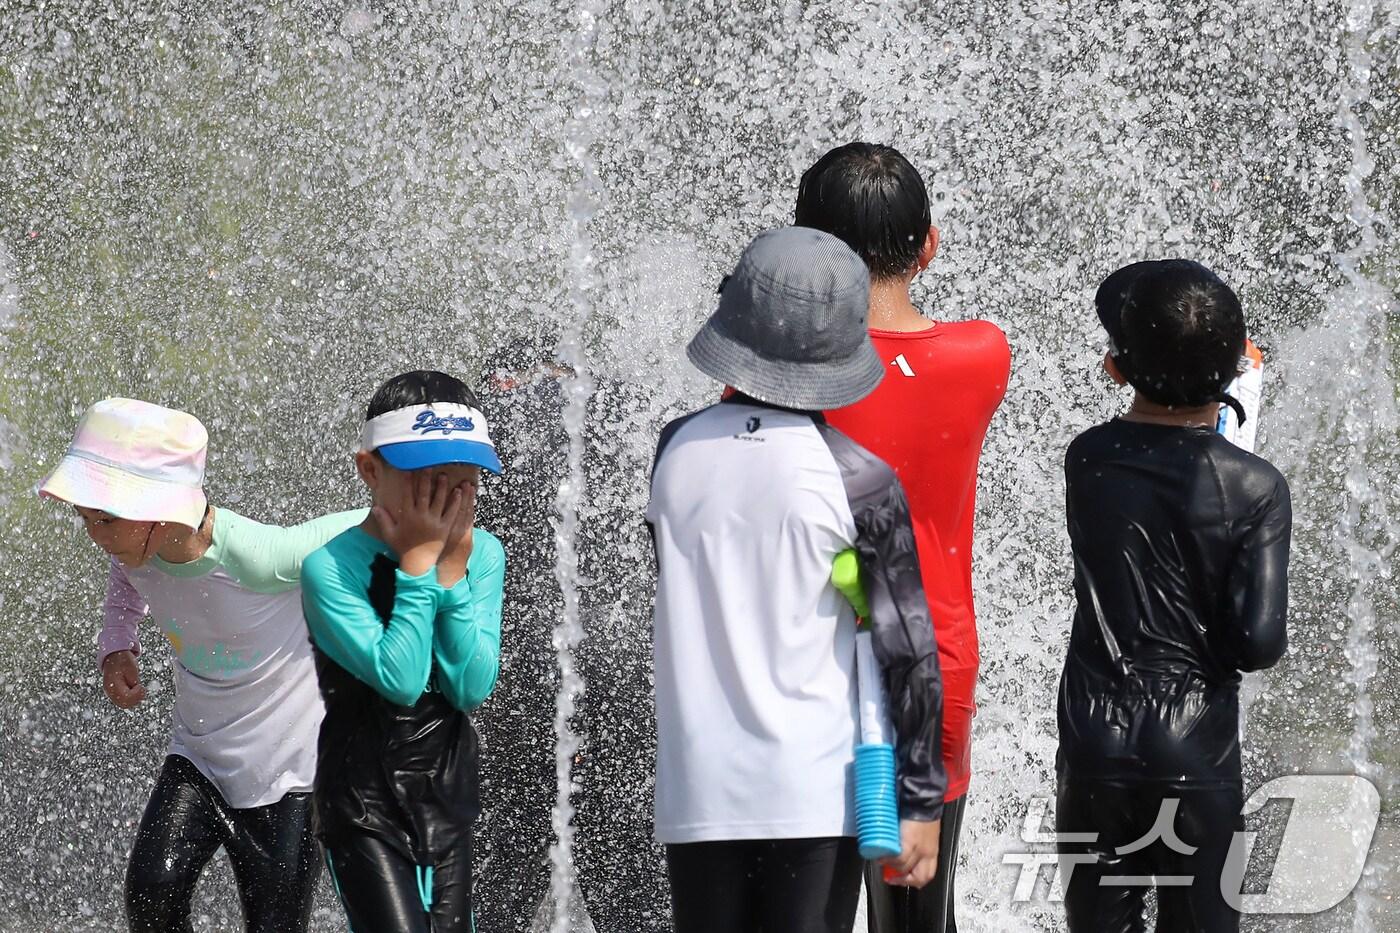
x=1367 y=532
x=1342 y=398
x=564 y=910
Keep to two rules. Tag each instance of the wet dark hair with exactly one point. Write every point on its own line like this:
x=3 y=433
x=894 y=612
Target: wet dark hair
x=872 y=198
x=420 y=387
x=1182 y=334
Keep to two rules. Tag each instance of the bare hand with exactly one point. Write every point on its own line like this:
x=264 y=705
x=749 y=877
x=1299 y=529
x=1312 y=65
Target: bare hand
x=452 y=564
x=121 y=678
x=916 y=865
x=419 y=527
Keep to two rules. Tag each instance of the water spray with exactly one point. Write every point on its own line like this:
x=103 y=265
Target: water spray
x=563 y=910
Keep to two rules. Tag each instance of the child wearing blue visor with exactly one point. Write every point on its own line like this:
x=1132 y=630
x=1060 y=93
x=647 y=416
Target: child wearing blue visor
x=405 y=618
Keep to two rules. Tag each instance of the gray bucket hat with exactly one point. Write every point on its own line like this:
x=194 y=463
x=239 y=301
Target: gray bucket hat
x=790 y=328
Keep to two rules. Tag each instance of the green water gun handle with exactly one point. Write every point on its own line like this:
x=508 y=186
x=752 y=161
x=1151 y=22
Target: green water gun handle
x=845 y=576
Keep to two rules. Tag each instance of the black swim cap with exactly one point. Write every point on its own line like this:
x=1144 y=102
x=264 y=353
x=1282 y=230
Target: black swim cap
x=1176 y=331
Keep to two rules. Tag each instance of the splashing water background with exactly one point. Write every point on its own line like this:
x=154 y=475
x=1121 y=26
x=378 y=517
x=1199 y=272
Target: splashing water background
x=258 y=211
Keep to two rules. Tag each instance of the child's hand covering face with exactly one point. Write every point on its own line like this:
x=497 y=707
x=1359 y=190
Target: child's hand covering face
x=416 y=514
x=457 y=550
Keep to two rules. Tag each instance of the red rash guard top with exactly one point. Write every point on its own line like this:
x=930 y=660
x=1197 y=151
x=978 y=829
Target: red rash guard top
x=927 y=419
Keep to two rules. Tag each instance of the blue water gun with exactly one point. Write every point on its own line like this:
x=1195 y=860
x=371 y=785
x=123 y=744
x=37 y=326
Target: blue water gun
x=877 y=806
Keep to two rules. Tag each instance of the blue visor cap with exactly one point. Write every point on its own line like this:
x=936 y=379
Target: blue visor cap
x=420 y=455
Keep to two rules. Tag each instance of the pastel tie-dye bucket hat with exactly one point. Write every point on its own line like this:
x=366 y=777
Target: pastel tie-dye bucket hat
x=135 y=460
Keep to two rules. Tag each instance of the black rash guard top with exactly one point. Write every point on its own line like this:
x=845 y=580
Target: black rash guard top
x=1180 y=544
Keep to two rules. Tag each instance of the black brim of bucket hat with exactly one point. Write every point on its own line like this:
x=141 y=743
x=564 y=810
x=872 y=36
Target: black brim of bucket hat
x=809 y=386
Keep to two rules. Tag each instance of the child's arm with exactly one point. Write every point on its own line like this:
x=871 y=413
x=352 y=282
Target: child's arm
x=122 y=612
x=119 y=642
x=268 y=558
x=394 y=657
x=1258 y=583
x=467 y=633
x=902 y=633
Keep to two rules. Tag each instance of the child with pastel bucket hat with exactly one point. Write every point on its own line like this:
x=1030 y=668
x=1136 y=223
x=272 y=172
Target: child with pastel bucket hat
x=751 y=501
x=224 y=591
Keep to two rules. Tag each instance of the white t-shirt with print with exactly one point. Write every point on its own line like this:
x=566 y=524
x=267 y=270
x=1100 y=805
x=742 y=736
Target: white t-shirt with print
x=247 y=704
x=754 y=648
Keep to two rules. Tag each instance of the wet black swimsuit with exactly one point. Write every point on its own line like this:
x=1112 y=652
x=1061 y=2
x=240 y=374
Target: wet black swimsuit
x=1180 y=546
x=187 y=820
x=777 y=885
x=396 y=794
x=1181 y=574
x=405 y=774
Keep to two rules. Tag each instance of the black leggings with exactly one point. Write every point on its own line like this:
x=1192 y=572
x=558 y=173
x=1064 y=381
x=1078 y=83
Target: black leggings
x=765 y=886
x=274 y=856
x=899 y=909
x=383 y=890
x=1206 y=819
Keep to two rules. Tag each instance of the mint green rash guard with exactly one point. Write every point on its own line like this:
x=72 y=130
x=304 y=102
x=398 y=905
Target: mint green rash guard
x=247 y=708
x=401 y=661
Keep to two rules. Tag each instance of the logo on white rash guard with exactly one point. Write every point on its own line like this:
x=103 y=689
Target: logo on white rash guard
x=209 y=660
x=750 y=432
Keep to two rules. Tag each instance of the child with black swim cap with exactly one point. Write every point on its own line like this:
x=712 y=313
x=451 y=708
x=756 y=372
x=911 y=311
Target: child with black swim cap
x=1181 y=544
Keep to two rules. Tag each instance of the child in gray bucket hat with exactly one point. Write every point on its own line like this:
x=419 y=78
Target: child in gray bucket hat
x=751 y=501
x=790 y=327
